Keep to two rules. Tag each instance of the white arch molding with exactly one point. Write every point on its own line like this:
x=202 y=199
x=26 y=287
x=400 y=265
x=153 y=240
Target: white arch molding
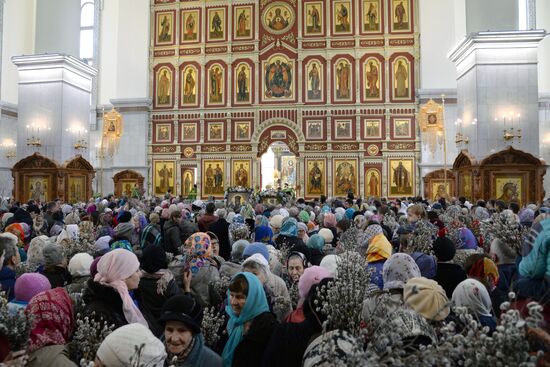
x=274 y=122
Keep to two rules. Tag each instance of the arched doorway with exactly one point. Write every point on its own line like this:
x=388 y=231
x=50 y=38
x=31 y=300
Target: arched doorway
x=278 y=167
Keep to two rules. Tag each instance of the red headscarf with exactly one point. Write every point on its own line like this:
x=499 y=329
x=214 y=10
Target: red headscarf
x=52 y=315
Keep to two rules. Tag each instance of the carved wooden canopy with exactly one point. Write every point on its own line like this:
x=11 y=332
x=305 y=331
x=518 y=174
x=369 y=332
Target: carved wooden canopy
x=126 y=176
x=79 y=163
x=34 y=162
x=464 y=159
x=511 y=156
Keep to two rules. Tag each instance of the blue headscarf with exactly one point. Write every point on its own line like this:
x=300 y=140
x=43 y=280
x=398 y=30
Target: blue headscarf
x=468 y=239
x=256 y=304
x=316 y=242
x=289 y=227
x=261 y=220
x=238 y=219
x=349 y=213
x=263 y=234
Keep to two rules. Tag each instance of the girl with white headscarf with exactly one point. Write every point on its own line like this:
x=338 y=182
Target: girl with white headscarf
x=473 y=295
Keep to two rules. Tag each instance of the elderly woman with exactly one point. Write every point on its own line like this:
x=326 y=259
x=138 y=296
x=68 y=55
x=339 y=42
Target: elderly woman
x=233 y=266
x=203 y=270
x=474 y=296
x=181 y=317
x=378 y=251
x=276 y=289
x=9 y=255
x=27 y=286
x=315 y=244
x=79 y=268
x=250 y=323
x=397 y=270
x=288 y=235
x=52 y=318
x=55 y=266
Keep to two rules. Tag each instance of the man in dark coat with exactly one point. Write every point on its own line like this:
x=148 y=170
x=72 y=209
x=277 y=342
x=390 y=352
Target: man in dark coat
x=221 y=229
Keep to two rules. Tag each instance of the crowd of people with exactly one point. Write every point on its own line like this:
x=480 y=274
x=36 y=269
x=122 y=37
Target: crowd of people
x=329 y=282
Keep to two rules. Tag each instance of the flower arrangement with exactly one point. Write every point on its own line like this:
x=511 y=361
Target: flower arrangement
x=237 y=189
x=88 y=336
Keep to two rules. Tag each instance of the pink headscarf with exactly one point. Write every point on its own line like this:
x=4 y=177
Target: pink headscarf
x=312 y=275
x=329 y=220
x=112 y=269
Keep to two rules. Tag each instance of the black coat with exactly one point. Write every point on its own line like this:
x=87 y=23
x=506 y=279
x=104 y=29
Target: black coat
x=172 y=237
x=152 y=301
x=58 y=276
x=315 y=256
x=103 y=303
x=449 y=276
x=288 y=343
x=250 y=351
x=187 y=228
x=221 y=229
x=288 y=241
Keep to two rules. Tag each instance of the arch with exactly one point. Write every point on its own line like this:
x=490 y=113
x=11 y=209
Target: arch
x=34 y=161
x=264 y=138
x=126 y=177
x=437 y=178
x=79 y=163
x=511 y=156
x=464 y=159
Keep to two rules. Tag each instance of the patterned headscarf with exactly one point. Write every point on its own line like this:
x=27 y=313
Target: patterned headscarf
x=289 y=227
x=398 y=269
x=484 y=268
x=371 y=231
x=52 y=317
x=261 y=220
x=473 y=295
x=199 y=250
x=329 y=220
x=17 y=229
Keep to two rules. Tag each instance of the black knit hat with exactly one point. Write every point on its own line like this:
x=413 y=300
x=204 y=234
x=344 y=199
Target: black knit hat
x=444 y=249
x=183 y=308
x=125 y=217
x=153 y=259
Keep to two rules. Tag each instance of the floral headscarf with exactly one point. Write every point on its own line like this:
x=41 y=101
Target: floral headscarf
x=52 y=316
x=473 y=295
x=371 y=231
x=199 y=250
x=289 y=227
x=398 y=269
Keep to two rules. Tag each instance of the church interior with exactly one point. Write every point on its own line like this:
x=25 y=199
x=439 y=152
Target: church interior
x=381 y=98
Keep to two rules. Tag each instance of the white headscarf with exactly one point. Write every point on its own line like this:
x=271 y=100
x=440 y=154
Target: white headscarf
x=398 y=269
x=472 y=294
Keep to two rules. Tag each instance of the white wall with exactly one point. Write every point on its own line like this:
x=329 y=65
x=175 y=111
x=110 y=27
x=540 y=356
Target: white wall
x=124 y=50
x=442 y=24
x=18 y=39
x=543 y=22
x=58 y=27
x=491 y=15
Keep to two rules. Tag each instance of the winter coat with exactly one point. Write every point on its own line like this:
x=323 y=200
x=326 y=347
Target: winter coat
x=200 y=356
x=187 y=228
x=205 y=221
x=7 y=282
x=537 y=263
x=77 y=285
x=105 y=303
x=448 y=276
x=58 y=276
x=221 y=229
x=50 y=356
x=152 y=300
x=172 y=237
x=250 y=351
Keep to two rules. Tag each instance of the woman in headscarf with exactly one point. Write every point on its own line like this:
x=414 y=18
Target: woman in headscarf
x=105 y=225
x=302 y=232
x=296 y=263
x=250 y=323
x=473 y=295
x=316 y=243
x=52 y=318
x=263 y=233
x=275 y=287
x=312 y=275
x=107 y=295
x=35 y=257
x=157 y=285
x=467 y=239
x=261 y=220
x=396 y=271
x=233 y=266
x=448 y=275
x=18 y=230
x=329 y=222
x=200 y=264
x=379 y=249
x=288 y=235
x=181 y=318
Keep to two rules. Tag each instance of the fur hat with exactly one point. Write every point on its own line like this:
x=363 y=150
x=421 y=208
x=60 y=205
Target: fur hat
x=79 y=265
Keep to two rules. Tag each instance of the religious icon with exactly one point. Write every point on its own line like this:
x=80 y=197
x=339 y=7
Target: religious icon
x=432 y=119
x=128 y=187
x=190 y=19
x=216 y=24
x=77 y=188
x=371 y=16
x=215 y=131
x=278 y=134
x=314 y=81
x=278 y=18
x=315 y=180
x=402 y=128
x=314 y=18
x=508 y=189
x=165 y=32
x=38 y=189
x=373 y=183
x=342 y=16
x=345 y=177
x=189 y=75
x=242 y=83
x=188 y=132
x=242 y=130
x=372 y=70
x=343 y=129
x=441 y=190
x=401 y=78
x=343 y=80
x=278 y=74
x=164 y=177
x=372 y=129
x=243 y=20
x=188 y=182
x=163 y=132
x=288 y=170
x=241 y=173
x=400 y=15
x=467 y=186
x=401 y=177
x=213 y=177
x=314 y=129
x=164 y=87
x=215 y=85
